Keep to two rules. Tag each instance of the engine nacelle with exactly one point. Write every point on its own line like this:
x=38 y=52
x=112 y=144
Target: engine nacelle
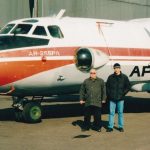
x=87 y=58
x=141 y=87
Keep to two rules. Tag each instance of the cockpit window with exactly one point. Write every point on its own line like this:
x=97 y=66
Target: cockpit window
x=39 y=30
x=22 y=29
x=55 y=31
x=7 y=28
x=9 y=42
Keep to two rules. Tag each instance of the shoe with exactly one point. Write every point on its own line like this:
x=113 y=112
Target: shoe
x=109 y=130
x=96 y=129
x=121 y=129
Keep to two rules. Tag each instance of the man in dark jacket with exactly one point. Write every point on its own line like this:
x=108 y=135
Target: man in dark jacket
x=117 y=86
x=92 y=93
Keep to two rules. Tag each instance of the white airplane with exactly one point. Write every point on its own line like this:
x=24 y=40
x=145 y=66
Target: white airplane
x=53 y=55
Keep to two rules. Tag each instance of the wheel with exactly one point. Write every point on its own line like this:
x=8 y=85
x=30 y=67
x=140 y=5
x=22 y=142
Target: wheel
x=18 y=115
x=32 y=112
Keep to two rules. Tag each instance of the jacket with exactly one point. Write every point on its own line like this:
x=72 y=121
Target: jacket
x=117 y=86
x=93 y=92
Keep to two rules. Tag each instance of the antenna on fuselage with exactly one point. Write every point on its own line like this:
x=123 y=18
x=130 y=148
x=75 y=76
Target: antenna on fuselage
x=61 y=13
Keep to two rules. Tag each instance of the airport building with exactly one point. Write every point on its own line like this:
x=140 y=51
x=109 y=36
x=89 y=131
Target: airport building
x=105 y=9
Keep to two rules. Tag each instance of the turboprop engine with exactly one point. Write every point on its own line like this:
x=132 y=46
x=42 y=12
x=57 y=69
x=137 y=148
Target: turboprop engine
x=87 y=58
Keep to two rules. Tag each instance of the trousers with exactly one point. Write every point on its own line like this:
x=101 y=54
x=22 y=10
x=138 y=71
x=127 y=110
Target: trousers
x=112 y=109
x=96 y=112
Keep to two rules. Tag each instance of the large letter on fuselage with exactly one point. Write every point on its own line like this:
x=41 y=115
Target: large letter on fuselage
x=135 y=71
x=146 y=69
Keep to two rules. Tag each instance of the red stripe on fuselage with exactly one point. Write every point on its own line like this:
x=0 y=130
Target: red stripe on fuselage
x=14 y=71
x=129 y=52
x=70 y=51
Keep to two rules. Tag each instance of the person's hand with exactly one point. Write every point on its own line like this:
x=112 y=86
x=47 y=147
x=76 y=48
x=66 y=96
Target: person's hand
x=82 y=102
x=103 y=102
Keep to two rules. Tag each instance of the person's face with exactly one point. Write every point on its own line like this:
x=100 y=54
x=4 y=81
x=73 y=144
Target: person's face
x=117 y=70
x=93 y=74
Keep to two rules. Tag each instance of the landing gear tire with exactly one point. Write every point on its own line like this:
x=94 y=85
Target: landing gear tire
x=32 y=112
x=18 y=115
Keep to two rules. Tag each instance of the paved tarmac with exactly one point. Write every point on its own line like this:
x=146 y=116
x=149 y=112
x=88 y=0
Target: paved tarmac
x=60 y=128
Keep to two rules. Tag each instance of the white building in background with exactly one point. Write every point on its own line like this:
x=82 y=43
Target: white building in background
x=108 y=9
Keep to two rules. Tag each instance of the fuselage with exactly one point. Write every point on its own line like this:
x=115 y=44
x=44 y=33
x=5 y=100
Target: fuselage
x=38 y=55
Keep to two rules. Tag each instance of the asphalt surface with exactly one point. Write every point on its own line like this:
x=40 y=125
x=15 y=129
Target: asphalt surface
x=60 y=128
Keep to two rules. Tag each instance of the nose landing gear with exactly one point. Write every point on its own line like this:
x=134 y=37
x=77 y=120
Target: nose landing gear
x=26 y=110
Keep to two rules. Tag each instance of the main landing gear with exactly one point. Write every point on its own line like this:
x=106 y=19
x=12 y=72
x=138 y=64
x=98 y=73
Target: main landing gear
x=29 y=111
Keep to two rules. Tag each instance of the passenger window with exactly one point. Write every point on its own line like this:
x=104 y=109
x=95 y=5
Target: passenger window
x=39 y=30
x=6 y=29
x=55 y=31
x=22 y=29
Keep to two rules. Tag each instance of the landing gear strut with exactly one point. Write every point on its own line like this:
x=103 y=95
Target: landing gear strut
x=26 y=110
